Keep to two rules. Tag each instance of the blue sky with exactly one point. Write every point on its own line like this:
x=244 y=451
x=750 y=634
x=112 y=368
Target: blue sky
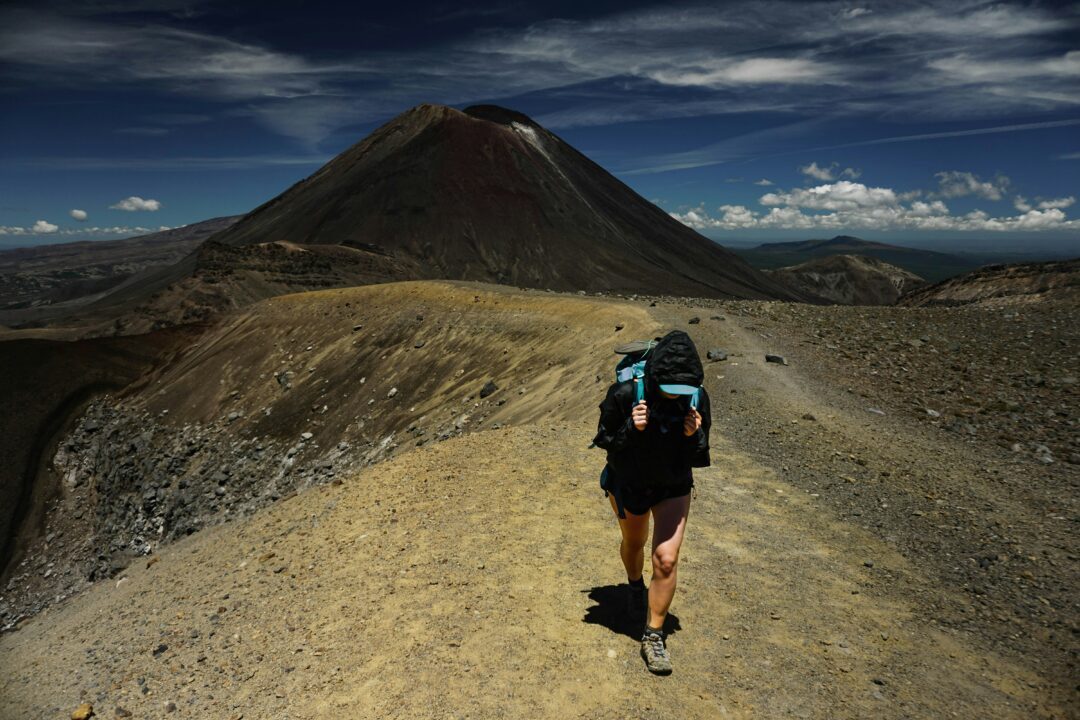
x=905 y=121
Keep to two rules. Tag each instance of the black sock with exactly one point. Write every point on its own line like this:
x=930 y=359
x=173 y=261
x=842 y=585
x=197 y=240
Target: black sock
x=639 y=583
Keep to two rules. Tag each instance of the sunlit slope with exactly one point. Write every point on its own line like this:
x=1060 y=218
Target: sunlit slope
x=385 y=357
x=479 y=577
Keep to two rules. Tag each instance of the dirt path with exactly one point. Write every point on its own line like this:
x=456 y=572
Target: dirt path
x=450 y=583
x=479 y=577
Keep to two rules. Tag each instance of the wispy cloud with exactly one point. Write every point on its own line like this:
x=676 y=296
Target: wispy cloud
x=828 y=172
x=993 y=130
x=82 y=49
x=954 y=183
x=732 y=149
x=144 y=131
x=741 y=146
x=69 y=50
x=958 y=60
x=237 y=162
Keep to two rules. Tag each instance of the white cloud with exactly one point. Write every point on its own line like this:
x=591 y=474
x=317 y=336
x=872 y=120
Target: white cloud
x=764 y=182
x=816 y=172
x=1040 y=219
x=43 y=228
x=831 y=172
x=841 y=195
x=1057 y=203
x=958 y=20
x=846 y=205
x=136 y=203
x=754 y=71
x=79 y=215
x=970 y=68
x=1021 y=203
x=115 y=230
x=953 y=183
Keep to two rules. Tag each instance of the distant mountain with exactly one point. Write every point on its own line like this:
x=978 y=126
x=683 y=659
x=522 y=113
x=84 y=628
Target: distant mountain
x=437 y=193
x=850 y=279
x=1021 y=282
x=36 y=282
x=932 y=266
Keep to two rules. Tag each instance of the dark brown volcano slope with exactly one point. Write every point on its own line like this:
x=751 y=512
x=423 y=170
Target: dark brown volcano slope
x=487 y=194
x=436 y=193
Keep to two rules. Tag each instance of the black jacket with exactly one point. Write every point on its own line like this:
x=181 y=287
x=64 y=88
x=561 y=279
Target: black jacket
x=659 y=454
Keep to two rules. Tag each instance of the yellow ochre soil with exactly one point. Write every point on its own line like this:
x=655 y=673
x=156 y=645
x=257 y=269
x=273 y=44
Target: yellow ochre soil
x=479 y=577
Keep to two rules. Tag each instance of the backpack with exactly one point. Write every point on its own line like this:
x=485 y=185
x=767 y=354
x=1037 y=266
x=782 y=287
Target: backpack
x=632 y=367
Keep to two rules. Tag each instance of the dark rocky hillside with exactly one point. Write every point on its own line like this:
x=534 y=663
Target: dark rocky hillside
x=933 y=266
x=1021 y=282
x=38 y=283
x=850 y=279
x=436 y=193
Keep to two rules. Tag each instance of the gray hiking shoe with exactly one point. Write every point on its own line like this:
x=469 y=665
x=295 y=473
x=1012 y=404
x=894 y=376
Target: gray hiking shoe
x=655 y=652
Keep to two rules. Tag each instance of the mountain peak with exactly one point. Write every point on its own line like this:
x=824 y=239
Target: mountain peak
x=488 y=194
x=500 y=115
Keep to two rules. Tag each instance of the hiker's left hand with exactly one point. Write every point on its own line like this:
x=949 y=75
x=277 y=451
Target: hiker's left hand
x=692 y=422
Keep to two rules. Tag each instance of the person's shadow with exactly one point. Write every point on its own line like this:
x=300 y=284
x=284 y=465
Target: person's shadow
x=610 y=611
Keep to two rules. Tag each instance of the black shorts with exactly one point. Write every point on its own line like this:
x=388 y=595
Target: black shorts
x=639 y=500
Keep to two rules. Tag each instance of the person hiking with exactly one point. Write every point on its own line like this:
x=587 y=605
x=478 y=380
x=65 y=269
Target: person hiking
x=652 y=444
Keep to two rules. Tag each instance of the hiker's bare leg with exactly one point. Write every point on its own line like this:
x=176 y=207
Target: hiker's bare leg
x=635 y=533
x=669 y=525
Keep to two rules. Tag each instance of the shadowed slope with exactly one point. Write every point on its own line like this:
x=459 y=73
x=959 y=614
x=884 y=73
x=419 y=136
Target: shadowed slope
x=487 y=194
x=436 y=193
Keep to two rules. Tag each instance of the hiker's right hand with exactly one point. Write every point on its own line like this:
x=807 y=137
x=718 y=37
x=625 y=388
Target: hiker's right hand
x=640 y=415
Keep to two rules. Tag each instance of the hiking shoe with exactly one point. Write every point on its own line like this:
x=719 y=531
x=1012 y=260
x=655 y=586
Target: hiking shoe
x=655 y=652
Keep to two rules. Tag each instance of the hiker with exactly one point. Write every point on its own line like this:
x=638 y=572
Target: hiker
x=654 y=433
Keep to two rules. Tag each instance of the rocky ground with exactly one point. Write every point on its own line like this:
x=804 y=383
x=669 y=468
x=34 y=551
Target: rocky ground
x=295 y=393
x=844 y=418
x=848 y=554
x=1000 y=374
